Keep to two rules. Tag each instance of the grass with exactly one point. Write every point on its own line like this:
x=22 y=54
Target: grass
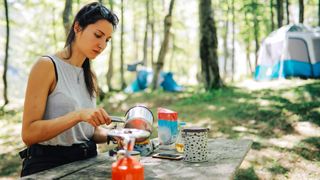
x=246 y=174
x=268 y=116
x=309 y=148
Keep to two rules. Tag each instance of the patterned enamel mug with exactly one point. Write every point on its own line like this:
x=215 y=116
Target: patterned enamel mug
x=196 y=144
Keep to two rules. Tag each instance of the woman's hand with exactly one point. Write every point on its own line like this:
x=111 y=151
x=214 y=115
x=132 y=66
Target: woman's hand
x=95 y=116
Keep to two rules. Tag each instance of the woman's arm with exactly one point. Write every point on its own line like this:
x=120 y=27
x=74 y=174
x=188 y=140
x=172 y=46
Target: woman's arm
x=34 y=128
x=100 y=135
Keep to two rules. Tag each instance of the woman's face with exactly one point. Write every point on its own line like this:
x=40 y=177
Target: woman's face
x=94 y=38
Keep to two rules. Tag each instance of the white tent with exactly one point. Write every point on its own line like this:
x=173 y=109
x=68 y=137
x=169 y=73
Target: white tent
x=291 y=51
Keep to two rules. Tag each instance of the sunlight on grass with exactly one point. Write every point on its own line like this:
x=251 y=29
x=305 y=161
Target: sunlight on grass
x=275 y=85
x=307 y=129
x=286 y=141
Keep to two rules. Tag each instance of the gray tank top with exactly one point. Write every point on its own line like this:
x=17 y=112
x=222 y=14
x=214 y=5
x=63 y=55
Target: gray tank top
x=70 y=94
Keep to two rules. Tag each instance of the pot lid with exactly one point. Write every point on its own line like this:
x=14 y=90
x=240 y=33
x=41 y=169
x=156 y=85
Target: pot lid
x=195 y=129
x=135 y=133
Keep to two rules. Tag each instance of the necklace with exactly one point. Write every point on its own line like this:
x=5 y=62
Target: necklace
x=74 y=69
x=77 y=74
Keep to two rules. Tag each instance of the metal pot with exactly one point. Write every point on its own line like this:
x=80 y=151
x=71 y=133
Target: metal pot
x=137 y=117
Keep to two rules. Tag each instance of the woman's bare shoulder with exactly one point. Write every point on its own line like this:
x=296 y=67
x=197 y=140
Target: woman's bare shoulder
x=43 y=64
x=43 y=70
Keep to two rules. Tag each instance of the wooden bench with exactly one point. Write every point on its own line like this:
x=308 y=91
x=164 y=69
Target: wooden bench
x=225 y=157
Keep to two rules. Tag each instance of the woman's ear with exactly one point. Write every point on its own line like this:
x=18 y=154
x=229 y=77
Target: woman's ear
x=76 y=27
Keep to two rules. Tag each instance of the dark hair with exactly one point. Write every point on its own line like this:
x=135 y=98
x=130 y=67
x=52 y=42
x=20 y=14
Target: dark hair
x=90 y=14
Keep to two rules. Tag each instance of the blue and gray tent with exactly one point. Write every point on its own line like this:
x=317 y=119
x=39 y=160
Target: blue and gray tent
x=291 y=51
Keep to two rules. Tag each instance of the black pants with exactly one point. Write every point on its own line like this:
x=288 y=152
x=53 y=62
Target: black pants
x=40 y=157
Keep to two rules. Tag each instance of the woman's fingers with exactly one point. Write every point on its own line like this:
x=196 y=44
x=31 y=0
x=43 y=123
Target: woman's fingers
x=105 y=115
x=92 y=122
x=99 y=118
x=96 y=116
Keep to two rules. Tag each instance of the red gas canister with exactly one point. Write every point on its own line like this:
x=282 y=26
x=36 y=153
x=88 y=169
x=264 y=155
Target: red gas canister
x=127 y=168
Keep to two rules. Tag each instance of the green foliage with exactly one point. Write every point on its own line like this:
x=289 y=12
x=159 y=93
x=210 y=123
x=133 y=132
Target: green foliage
x=256 y=145
x=278 y=169
x=253 y=11
x=309 y=148
x=246 y=174
x=10 y=164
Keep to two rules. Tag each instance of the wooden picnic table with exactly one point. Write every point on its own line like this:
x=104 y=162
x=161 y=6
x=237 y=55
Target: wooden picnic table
x=224 y=158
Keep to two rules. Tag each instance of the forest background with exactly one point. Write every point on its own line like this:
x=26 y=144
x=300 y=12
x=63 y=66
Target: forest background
x=166 y=35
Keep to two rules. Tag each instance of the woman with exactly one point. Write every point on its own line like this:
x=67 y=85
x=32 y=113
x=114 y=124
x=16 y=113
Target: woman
x=60 y=119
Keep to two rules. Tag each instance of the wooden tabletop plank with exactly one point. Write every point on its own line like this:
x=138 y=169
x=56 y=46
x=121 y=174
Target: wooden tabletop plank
x=224 y=158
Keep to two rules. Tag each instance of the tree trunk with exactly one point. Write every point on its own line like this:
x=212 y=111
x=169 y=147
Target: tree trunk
x=271 y=12
x=248 y=58
x=225 y=42
x=66 y=16
x=172 y=52
x=164 y=46
x=123 y=84
x=248 y=47
x=233 y=42
x=287 y=11
x=110 y=64
x=54 y=28
x=319 y=13
x=6 y=57
x=135 y=33
x=256 y=33
x=152 y=34
x=145 y=41
x=280 y=12
x=208 y=47
x=301 y=11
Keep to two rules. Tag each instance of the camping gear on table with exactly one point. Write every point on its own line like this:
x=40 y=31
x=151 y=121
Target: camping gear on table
x=138 y=117
x=134 y=154
x=195 y=144
x=128 y=167
x=167 y=128
x=180 y=140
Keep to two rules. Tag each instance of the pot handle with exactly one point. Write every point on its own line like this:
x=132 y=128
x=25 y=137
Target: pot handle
x=117 y=119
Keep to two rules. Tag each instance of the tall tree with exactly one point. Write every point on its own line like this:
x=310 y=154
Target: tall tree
x=110 y=64
x=135 y=31
x=67 y=16
x=247 y=38
x=271 y=13
x=287 y=11
x=6 y=57
x=280 y=13
x=172 y=48
x=152 y=34
x=233 y=41
x=301 y=11
x=123 y=84
x=145 y=41
x=319 y=13
x=225 y=40
x=256 y=29
x=164 y=46
x=54 y=28
x=208 y=47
